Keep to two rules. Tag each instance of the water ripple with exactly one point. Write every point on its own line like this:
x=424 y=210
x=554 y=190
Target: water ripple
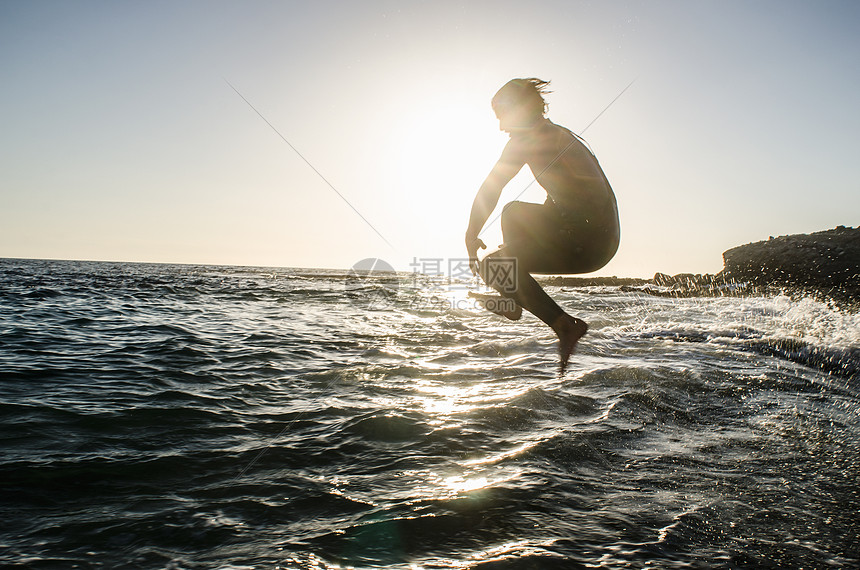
x=199 y=417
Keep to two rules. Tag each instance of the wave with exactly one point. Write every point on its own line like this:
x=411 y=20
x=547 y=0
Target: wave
x=841 y=362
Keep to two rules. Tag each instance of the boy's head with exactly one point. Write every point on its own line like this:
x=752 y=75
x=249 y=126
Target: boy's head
x=520 y=103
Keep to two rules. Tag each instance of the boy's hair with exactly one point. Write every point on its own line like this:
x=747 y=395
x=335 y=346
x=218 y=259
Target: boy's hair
x=528 y=92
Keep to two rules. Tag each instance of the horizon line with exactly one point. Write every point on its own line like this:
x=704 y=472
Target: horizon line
x=200 y=264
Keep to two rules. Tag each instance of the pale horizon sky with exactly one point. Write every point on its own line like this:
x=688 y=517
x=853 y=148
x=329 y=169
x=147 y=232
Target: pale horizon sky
x=120 y=138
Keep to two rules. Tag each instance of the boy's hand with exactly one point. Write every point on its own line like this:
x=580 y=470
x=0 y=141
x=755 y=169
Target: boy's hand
x=472 y=246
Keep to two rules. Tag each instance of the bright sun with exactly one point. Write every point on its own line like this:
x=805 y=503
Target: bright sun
x=441 y=154
x=450 y=141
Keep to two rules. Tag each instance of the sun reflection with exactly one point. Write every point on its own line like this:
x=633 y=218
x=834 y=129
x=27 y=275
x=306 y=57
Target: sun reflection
x=467 y=482
x=459 y=484
x=509 y=550
x=514 y=549
x=440 y=401
x=445 y=400
x=446 y=405
x=496 y=457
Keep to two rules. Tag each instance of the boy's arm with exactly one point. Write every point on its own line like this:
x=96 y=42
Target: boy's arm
x=488 y=196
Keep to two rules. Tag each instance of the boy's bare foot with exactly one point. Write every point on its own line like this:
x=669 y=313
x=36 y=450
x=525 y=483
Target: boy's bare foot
x=499 y=305
x=569 y=330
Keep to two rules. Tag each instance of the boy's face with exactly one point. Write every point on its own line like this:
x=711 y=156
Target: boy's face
x=513 y=118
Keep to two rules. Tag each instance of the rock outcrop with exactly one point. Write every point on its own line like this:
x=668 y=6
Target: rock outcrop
x=827 y=262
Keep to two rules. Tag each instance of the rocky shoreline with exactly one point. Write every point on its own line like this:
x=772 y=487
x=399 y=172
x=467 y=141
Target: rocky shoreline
x=823 y=264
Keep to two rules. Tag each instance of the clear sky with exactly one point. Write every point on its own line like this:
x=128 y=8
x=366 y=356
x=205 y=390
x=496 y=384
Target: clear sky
x=120 y=138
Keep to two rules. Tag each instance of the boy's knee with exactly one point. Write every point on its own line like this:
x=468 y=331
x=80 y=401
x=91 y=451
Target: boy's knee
x=511 y=215
x=511 y=209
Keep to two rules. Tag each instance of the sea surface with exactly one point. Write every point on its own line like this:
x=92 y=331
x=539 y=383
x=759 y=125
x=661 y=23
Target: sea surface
x=184 y=417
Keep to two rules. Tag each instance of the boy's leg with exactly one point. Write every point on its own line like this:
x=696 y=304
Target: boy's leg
x=529 y=295
x=504 y=273
x=531 y=232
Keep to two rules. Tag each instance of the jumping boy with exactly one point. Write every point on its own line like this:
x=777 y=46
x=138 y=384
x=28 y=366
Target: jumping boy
x=575 y=231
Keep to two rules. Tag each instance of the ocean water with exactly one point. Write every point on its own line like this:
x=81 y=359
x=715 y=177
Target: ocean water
x=184 y=417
